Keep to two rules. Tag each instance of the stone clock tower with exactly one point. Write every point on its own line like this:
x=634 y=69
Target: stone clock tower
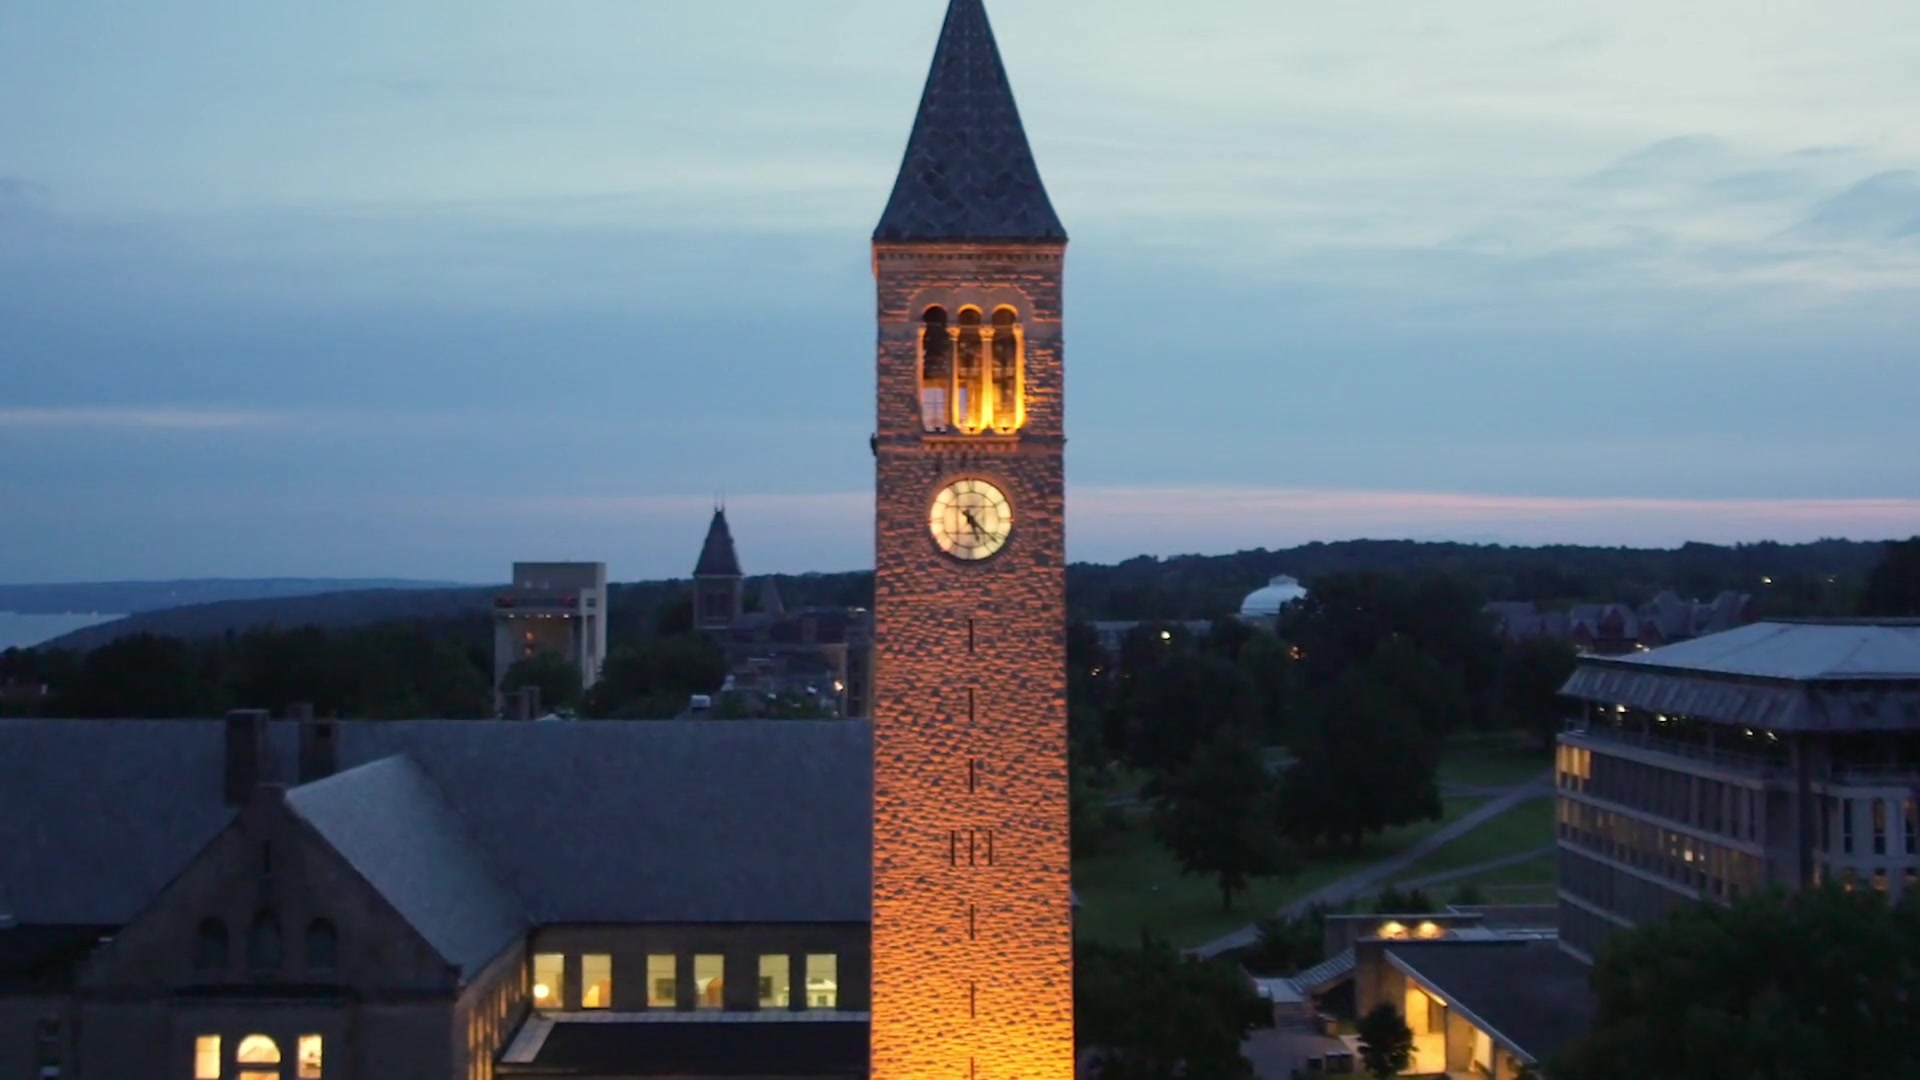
x=972 y=928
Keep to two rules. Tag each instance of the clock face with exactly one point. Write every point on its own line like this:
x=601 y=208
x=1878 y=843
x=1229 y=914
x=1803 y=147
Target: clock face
x=970 y=519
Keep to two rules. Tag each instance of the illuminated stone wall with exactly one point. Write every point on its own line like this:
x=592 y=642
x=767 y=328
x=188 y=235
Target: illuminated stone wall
x=972 y=930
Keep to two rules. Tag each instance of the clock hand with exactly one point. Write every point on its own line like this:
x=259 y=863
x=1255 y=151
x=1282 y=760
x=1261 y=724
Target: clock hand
x=978 y=529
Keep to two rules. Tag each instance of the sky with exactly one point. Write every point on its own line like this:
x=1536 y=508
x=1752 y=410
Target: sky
x=421 y=287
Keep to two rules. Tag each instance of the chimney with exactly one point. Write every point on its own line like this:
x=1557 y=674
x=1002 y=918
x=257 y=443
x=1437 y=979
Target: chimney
x=319 y=747
x=246 y=754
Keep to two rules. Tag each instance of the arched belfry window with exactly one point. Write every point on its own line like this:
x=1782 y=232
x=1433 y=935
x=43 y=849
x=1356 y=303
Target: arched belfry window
x=1007 y=409
x=936 y=369
x=970 y=374
x=210 y=946
x=263 y=943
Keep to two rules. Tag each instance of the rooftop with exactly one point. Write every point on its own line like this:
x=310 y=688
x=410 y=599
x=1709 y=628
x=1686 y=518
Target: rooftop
x=684 y=1044
x=662 y=821
x=968 y=173
x=1528 y=994
x=1799 y=651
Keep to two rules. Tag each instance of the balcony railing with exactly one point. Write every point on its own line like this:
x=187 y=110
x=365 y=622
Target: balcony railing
x=1757 y=764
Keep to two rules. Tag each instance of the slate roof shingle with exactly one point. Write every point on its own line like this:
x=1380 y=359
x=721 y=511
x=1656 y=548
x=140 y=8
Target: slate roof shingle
x=388 y=821
x=968 y=172
x=659 y=821
x=717 y=556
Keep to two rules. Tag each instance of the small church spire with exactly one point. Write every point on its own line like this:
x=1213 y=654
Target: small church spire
x=968 y=173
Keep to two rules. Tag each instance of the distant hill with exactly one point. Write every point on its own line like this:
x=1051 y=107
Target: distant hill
x=1818 y=578
x=127 y=597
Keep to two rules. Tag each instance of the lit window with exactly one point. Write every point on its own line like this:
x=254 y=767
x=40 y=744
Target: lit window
x=776 y=982
x=323 y=945
x=596 y=981
x=709 y=980
x=823 y=981
x=258 y=1050
x=310 y=1048
x=663 y=982
x=206 y=1058
x=549 y=971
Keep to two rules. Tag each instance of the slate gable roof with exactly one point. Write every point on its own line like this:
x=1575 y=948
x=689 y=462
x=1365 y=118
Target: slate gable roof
x=619 y=822
x=717 y=557
x=391 y=824
x=968 y=173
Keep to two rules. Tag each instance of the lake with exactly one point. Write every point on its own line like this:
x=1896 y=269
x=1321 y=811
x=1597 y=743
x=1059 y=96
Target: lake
x=21 y=631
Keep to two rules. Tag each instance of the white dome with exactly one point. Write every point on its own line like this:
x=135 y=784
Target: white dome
x=1265 y=603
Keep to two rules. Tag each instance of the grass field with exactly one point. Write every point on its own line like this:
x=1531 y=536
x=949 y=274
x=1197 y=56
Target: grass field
x=1493 y=760
x=1523 y=828
x=1137 y=884
x=1530 y=882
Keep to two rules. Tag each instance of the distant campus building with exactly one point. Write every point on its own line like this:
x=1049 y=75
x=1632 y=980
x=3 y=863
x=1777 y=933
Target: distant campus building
x=1613 y=629
x=558 y=608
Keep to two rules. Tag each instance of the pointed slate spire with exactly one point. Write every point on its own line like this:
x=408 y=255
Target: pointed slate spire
x=717 y=557
x=968 y=173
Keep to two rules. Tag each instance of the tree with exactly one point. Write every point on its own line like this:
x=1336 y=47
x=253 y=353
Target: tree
x=1181 y=702
x=1468 y=895
x=1287 y=943
x=1392 y=901
x=1269 y=664
x=1386 y=1042
x=138 y=676
x=1152 y=1014
x=1813 y=983
x=1893 y=587
x=1531 y=674
x=1366 y=763
x=1091 y=820
x=1216 y=815
x=652 y=679
x=556 y=677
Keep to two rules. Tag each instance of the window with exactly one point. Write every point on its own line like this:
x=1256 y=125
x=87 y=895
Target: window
x=596 y=981
x=323 y=945
x=206 y=1058
x=258 y=1050
x=1846 y=826
x=263 y=943
x=936 y=369
x=969 y=374
x=310 y=1047
x=776 y=981
x=549 y=980
x=1009 y=389
x=1879 y=826
x=823 y=981
x=46 y=1046
x=1913 y=825
x=709 y=981
x=663 y=982
x=210 y=946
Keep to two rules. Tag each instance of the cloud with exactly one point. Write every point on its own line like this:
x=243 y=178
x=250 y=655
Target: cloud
x=1883 y=206
x=153 y=418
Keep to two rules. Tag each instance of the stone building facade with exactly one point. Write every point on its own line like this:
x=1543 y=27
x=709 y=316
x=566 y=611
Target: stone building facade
x=972 y=936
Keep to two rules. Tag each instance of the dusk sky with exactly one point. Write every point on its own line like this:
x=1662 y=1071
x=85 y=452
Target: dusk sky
x=411 y=288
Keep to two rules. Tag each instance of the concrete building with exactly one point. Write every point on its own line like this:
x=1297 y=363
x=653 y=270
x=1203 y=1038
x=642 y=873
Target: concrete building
x=1777 y=754
x=244 y=898
x=972 y=930
x=559 y=608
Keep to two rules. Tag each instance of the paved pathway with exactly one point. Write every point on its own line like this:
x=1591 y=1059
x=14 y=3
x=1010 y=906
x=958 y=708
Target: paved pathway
x=1371 y=878
x=1479 y=868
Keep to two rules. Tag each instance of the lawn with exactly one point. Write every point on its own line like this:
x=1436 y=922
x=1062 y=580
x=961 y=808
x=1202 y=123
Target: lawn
x=1530 y=882
x=1501 y=759
x=1523 y=828
x=1136 y=884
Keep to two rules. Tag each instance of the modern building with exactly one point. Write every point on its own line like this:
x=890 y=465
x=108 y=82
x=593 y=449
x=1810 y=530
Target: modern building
x=245 y=899
x=558 y=608
x=823 y=655
x=1777 y=754
x=972 y=929
x=1262 y=606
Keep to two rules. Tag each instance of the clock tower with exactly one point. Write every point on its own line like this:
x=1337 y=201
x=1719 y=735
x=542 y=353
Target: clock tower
x=972 y=927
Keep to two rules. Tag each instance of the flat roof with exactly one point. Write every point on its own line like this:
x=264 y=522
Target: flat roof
x=1530 y=996
x=1798 y=651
